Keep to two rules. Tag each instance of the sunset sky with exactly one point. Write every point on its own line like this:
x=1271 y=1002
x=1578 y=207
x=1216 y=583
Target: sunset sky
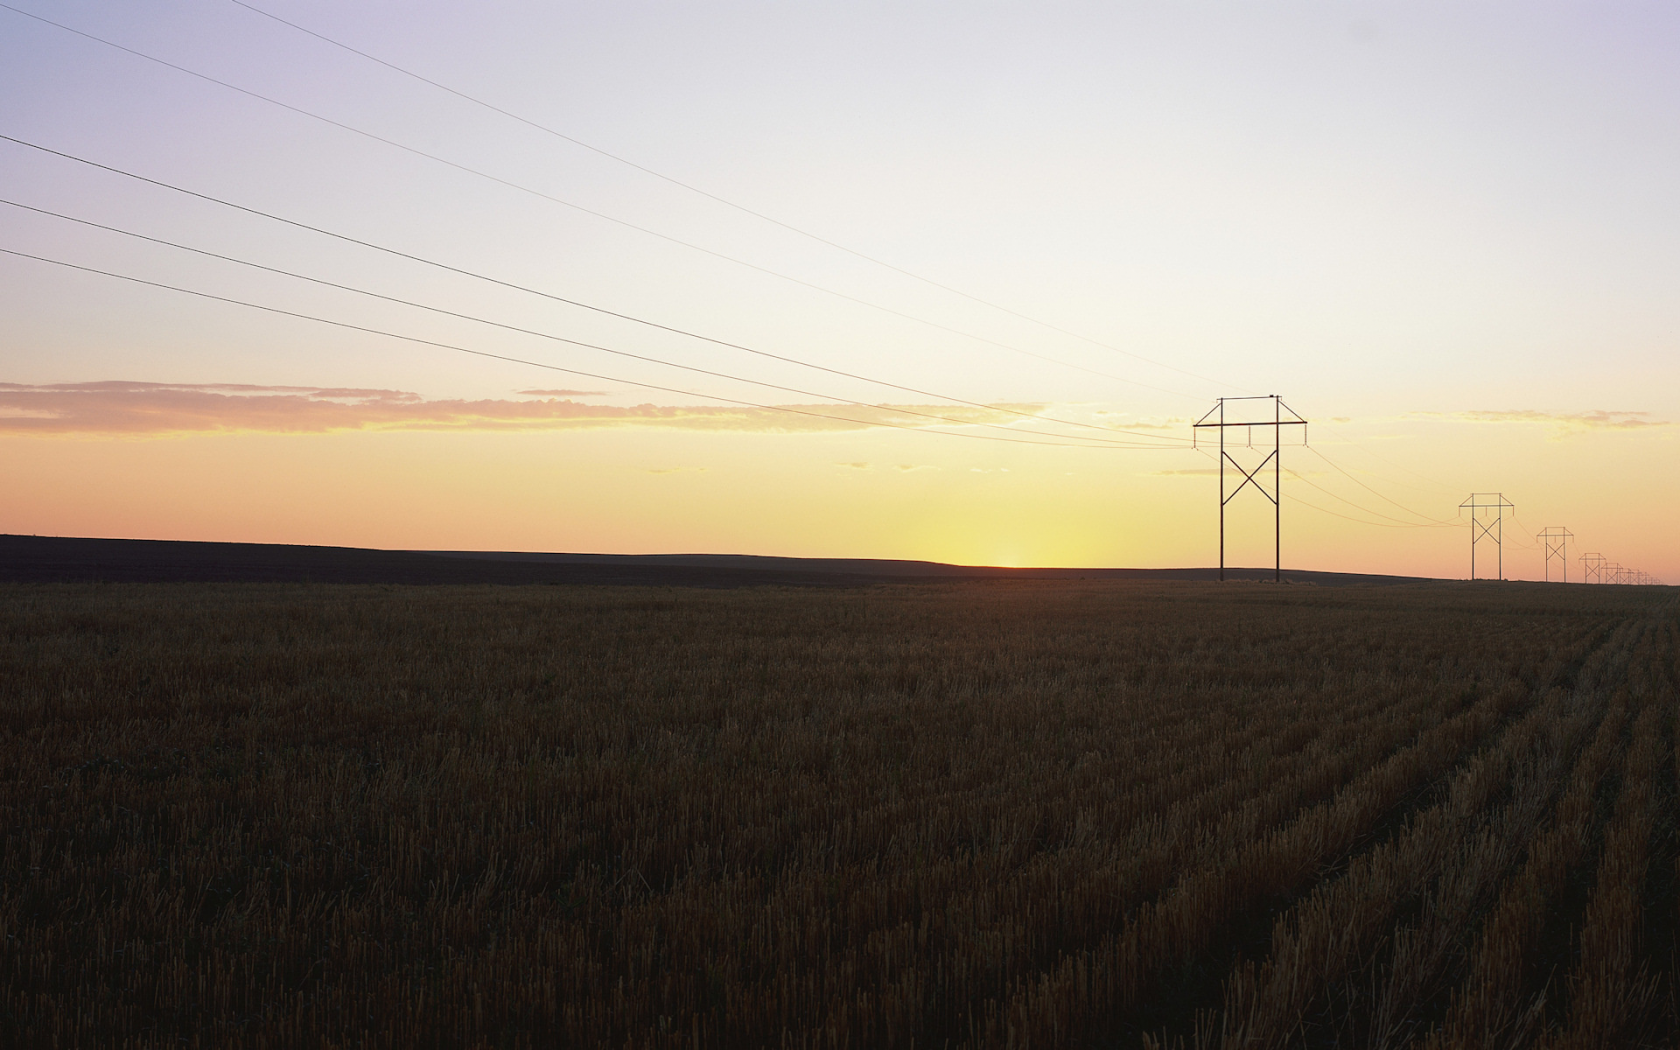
x=1038 y=240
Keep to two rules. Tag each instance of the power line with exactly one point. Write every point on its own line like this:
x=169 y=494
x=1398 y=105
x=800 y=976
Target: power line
x=536 y=364
x=1523 y=544
x=580 y=208
x=1398 y=522
x=709 y=195
x=1346 y=517
x=1373 y=452
x=1379 y=495
x=398 y=253
x=562 y=339
x=1336 y=514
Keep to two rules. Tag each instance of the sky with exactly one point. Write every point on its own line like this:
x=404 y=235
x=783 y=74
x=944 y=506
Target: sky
x=845 y=280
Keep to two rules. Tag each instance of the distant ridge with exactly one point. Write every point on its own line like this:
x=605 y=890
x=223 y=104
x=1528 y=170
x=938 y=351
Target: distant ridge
x=55 y=558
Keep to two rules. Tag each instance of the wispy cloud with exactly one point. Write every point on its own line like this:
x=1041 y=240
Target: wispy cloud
x=1568 y=421
x=1120 y=419
x=117 y=407
x=563 y=393
x=903 y=468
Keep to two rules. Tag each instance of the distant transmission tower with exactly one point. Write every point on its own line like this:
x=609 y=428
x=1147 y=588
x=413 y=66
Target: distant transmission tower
x=1556 y=539
x=1592 y=568
x=1275 y=458
x=1487 y=519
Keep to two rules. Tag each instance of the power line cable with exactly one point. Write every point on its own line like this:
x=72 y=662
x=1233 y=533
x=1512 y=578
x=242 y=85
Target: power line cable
x=398 y=253
x=1373 y=452
x=1344 y=517
x=1374 y=492
x=1527 y=543
x=712 y=196
x=1391 y=523
x=536 y=364
x=581 y=208
x=546 y=335
x=1398 y=522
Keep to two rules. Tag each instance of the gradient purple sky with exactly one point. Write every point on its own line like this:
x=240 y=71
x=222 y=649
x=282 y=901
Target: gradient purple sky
x=1447 y=232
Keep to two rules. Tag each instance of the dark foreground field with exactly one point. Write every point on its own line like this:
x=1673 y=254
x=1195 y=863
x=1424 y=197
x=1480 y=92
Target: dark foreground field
x=1005 y=813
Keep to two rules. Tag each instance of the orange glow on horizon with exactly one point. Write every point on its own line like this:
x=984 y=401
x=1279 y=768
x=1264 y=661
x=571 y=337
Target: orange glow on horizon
x=871 y=494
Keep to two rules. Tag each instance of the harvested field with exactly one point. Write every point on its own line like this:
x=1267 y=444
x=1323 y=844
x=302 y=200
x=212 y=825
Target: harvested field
x=975 y=814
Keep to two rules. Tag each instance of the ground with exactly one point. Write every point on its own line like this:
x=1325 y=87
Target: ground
x=984 y=812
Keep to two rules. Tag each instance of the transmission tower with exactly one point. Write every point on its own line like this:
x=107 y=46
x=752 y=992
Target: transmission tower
x=1487 y=519
x=1275 y=458
x=1592 y=568
x=1555 y=538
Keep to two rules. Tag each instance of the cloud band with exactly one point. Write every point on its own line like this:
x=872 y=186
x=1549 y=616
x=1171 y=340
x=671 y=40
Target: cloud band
x=137 y=408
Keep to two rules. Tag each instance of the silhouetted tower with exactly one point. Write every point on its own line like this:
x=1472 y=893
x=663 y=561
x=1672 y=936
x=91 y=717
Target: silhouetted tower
x=1487 y=520
x=1592 y=568
x=1556 y=540
x=1275 y=458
